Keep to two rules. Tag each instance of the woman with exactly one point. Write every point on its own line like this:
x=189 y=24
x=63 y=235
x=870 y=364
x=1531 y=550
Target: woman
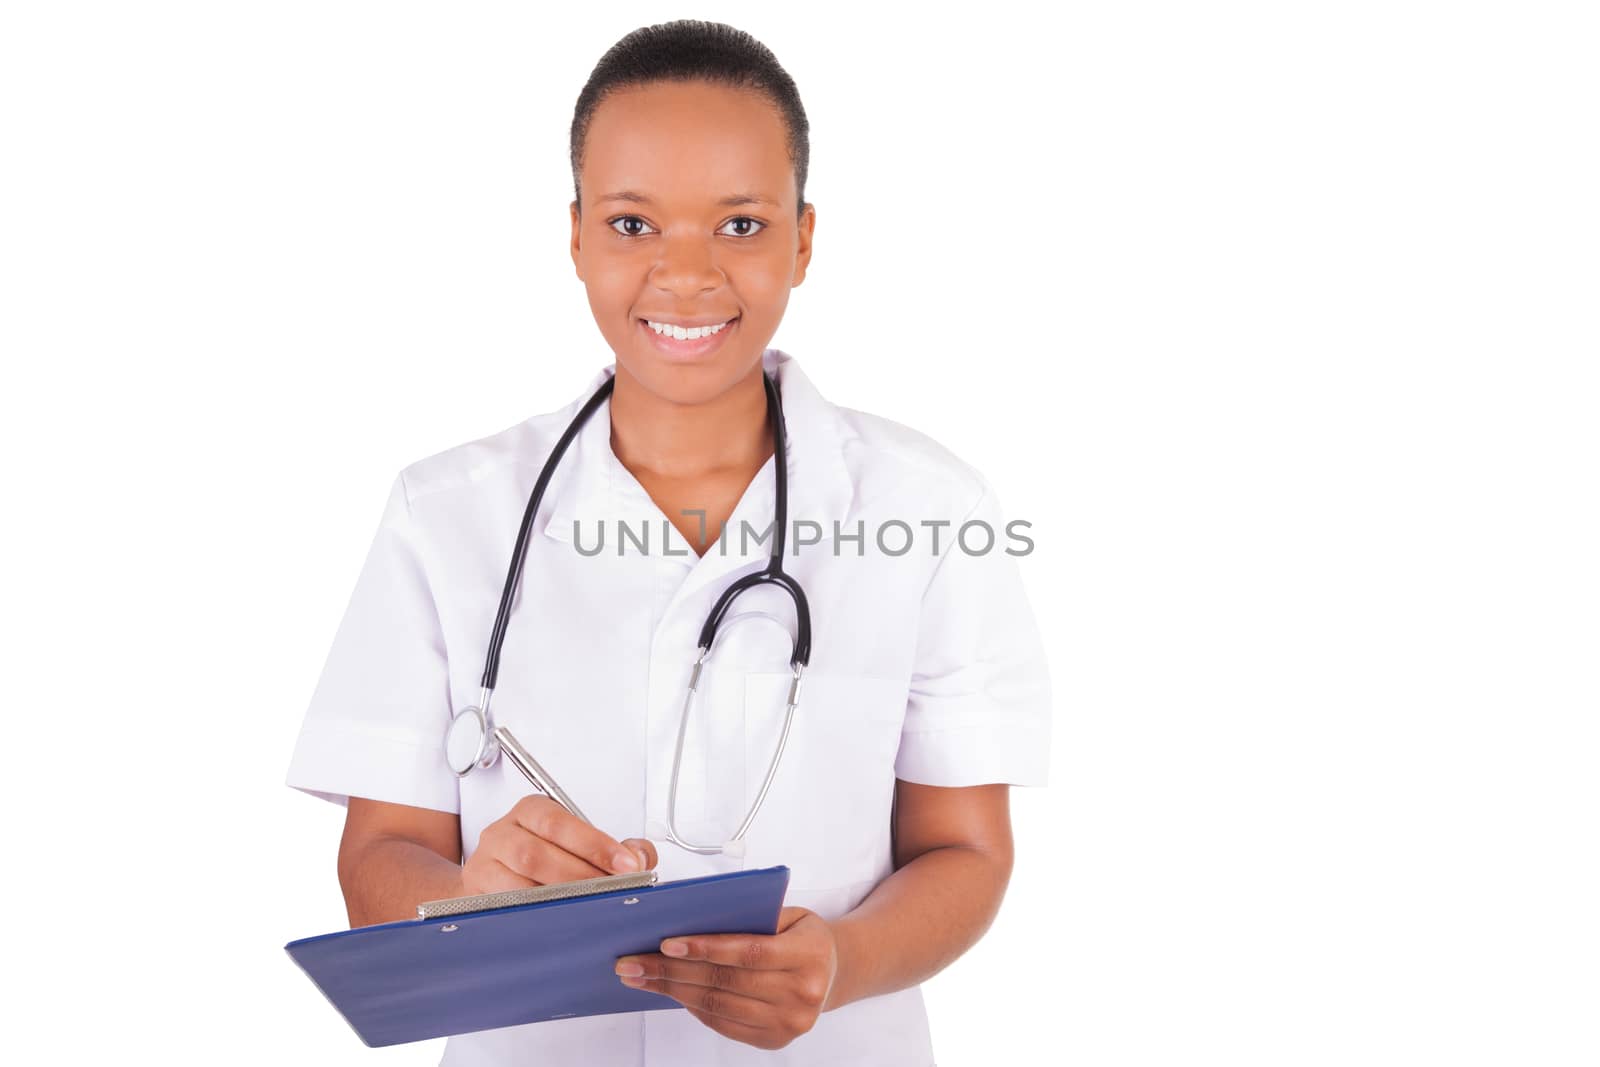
x=926 y=695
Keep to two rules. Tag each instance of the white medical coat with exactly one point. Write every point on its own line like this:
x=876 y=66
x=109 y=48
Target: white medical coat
x=925 y=665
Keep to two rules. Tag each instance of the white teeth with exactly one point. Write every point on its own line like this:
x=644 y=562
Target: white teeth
x=681 y=333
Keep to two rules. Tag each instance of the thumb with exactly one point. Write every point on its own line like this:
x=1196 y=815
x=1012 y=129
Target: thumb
x=644 y=849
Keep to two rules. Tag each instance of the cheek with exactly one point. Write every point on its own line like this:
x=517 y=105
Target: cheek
x=613 y=281
x=765 y=283
x=613 y=290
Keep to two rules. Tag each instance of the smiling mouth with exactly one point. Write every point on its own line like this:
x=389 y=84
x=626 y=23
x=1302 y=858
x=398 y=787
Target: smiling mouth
x=682 y=333
x=666 y=340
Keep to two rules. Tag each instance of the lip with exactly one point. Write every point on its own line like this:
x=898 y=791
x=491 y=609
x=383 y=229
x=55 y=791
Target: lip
x=686 y=323
x=686 y=350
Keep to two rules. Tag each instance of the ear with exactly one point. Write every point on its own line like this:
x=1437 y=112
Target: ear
x=802 y=259
x=576 y=227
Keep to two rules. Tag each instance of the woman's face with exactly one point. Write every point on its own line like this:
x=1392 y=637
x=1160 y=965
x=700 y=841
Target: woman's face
x=668 y=235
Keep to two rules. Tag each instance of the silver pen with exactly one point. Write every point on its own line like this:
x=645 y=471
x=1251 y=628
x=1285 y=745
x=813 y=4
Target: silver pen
x=524 y=762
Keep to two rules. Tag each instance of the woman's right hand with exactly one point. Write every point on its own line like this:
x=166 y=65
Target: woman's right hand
x=538 y=842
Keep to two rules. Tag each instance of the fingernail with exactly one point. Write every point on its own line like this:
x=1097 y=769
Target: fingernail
x=623 y=861
x=674 y=948
x=630 y=970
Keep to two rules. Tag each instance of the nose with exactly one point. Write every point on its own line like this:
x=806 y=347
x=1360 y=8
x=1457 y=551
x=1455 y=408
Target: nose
x=687 y=266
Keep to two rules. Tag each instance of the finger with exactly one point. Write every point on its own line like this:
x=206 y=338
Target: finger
x=500 y=878
x=734 y=1007
x=602 y=853
x=790 y=915
x=533 y=856
x=756 y=952
x=645 y=848
x=770 y=986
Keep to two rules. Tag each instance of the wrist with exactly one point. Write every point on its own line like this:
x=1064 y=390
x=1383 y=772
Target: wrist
x=842 y=991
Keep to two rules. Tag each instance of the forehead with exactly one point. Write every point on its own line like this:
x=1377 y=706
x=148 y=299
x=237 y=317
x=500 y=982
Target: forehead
x=687 y=143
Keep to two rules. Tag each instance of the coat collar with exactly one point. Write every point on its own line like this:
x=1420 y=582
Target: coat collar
x=590 y=484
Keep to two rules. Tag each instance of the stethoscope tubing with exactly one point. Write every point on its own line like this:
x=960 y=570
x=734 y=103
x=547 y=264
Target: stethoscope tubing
x=497 y=637
x=492 y=740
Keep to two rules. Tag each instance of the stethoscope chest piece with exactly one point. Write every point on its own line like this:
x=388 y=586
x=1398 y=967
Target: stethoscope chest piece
x=470 y=741
x=474 y=742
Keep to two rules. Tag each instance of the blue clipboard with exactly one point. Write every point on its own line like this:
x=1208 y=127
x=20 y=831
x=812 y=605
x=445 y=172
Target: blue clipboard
x=480 y=970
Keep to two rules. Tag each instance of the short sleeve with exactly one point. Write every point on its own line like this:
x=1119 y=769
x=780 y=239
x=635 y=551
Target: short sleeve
x=376 y=724
x=980 y=704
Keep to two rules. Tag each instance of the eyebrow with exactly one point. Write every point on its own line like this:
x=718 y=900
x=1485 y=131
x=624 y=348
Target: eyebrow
x=727 y=201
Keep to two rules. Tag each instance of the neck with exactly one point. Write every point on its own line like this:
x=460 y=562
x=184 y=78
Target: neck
x=657 y=436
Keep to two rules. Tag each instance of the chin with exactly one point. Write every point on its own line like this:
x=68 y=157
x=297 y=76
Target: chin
x=691 y=382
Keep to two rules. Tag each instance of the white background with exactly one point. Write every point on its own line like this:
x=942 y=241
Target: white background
x=1278 y=321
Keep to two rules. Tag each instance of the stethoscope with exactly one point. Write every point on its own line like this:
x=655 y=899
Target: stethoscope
x=472 y=740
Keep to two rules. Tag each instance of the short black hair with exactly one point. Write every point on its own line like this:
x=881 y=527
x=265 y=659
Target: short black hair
x=695 y=50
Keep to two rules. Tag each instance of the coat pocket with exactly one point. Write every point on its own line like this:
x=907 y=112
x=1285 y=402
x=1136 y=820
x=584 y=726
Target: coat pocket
x=826 y=814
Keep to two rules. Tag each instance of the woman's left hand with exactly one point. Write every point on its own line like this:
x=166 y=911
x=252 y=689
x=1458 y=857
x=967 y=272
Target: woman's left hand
x=762 y=989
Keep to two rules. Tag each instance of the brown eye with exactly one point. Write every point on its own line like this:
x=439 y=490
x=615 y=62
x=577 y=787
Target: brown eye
x=746 y=221
x=627 y=219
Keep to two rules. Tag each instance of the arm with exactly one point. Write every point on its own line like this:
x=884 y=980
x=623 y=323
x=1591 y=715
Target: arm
x=393 y=857
x=977 y=709
x=953 y=860
x=952 y=856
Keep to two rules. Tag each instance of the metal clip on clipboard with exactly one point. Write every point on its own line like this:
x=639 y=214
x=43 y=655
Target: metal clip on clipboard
x=510 y=898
